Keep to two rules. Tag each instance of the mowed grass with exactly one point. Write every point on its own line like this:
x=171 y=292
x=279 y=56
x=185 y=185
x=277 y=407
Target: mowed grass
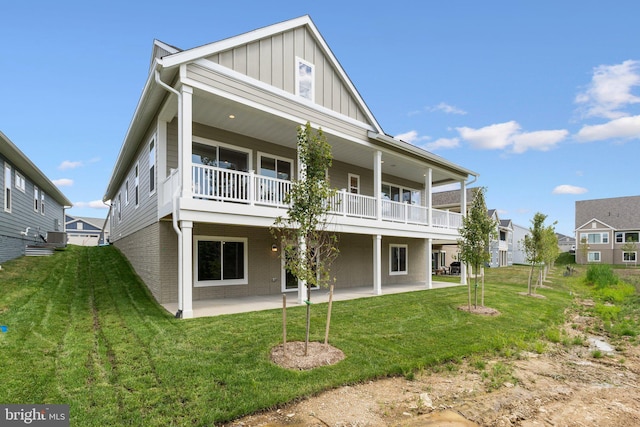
x=83 y=330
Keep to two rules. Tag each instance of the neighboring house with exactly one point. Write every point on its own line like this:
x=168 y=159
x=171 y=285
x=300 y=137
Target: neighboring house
x=566 y=243
x=211 y=152
x=519 y=255
x=608 y=230
x=501 y=248
x=84 y=231
x=32 y=206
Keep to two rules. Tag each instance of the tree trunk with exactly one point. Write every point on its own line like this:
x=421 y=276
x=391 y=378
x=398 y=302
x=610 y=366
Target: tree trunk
x=530 y=277
x=306 y=338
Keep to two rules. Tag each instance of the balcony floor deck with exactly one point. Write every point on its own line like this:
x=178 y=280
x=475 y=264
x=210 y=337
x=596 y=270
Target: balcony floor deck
x=217 y=307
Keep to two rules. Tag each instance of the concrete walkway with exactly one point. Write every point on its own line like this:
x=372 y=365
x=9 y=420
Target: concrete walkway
x=216 y=307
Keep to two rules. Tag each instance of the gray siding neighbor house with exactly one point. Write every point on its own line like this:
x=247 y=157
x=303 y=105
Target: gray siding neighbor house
x=31 y=208
x=608 y=230
x=211 y=153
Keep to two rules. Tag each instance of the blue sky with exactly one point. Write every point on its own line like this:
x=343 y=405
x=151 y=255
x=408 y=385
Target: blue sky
x=541 y=98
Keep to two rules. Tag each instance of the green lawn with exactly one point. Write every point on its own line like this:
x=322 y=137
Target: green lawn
x=83 y=330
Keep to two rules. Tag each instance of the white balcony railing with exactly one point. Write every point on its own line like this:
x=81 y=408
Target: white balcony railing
x=212 y=183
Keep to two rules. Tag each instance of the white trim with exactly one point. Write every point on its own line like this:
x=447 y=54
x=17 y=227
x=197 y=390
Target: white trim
x=602 y=236
x=126 y=192
x=635 y=256
x=42 y=202
x=399 y=272
x=36 y=199
x=136 y=183
x=221 y=282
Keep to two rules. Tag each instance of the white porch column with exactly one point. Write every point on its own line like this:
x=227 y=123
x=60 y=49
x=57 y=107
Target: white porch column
x=186 y=132
x=428 y=189
x=186 y=251
x=429 y=266
x=463 y=211
x=377 y=182
x=161 y=152
x=377 y=264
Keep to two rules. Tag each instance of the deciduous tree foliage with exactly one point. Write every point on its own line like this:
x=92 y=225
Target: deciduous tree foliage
x=476 y=231
x=308 y=248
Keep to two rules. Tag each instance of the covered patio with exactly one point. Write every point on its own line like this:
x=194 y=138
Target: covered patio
x=217 y=307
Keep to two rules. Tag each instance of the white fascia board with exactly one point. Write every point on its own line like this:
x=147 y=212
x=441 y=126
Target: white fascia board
x=422 y=153
x=596 y=229
x=191 y=55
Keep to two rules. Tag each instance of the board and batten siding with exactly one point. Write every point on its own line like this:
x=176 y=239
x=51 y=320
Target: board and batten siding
x=23 y=215
x=272 y=60
x=136 y=217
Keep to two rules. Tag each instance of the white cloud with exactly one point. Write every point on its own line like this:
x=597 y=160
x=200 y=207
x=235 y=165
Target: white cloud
x=63 y=182
x=411 y=137
x=67 y=164
x=624 y=127
x=569 y=189
x=542 y=140
x=95 y=204
x=610 y=90
x=448 y=109
x=442 y=143
x=492 y=137
x=504 y=135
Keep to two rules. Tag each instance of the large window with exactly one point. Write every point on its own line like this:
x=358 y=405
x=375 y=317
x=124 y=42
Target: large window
x=594 y=238
x=593 y=257
x=400 y=194
x=622 y=237
x=305 y=79
x=220 y=156
x=398 y=259
x=629 y=256
x=152 y=166
x=220 y=261
x=7 y=187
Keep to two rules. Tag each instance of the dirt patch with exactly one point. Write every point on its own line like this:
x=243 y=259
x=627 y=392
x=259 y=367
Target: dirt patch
x=565 y=386
x=481 y=310
x=293 y=355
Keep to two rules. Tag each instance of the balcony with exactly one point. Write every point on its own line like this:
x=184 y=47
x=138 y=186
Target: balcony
x=225 y=185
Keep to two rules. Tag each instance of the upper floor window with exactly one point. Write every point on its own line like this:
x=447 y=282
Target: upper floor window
x=305 y=79
x=400 y=194
x=36 y=199
x=594 y=238
x=20 y=182
x=7 y=187
x=42 y=202
x=275 y=167
x=152 y=166
x=220 y=156
x=354 y=183
x=126 y=193
x=627 y=237
x=136 y=183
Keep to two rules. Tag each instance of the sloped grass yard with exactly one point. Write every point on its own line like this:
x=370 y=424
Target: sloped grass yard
x=82 y=330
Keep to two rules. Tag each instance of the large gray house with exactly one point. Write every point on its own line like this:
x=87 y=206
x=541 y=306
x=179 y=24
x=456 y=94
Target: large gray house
x=608 y=230
x=211 y=152
x=32 y=206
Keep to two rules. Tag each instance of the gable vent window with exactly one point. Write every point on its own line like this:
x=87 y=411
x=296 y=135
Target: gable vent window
x=305 y=79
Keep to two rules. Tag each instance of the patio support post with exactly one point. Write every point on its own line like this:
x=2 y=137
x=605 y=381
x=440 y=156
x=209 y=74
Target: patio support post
x=463 y=211
x=428 y=183
x=377 y=264
x=429 y=265
x=186 y=133
x=377 y=182
x=186 y=251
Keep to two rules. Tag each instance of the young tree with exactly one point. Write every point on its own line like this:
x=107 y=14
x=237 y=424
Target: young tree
x=308 y=248
x=477 y=230
x=534 y=245
x=630 y=246
x=550 y=249
x=583 y=251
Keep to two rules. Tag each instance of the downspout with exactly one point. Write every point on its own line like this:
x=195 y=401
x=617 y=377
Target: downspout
x=177 y=192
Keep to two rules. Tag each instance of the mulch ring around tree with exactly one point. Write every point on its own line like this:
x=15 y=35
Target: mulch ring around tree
x=482 y=310
x=293 y=357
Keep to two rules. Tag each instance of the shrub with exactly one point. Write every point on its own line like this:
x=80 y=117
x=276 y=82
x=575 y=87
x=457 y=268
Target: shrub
x=600 y=276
